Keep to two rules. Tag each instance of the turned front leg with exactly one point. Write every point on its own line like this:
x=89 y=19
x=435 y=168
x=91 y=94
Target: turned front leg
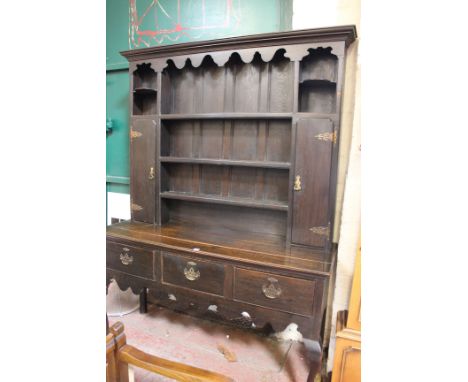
x=143 y=301
x=314 y=354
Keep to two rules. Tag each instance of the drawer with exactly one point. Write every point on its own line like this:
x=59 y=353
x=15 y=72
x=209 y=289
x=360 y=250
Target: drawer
x=273 y=291
x=204 y=276
x=133 y=260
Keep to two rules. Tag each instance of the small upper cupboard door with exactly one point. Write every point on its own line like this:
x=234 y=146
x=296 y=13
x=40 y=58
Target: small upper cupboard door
x=314 y=145
x=143 y=169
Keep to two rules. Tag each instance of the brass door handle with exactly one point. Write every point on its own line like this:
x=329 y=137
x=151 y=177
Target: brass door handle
x=151 y=173
x=297 y=183
x=191 y=271
x=272 y=289
x=126 y=259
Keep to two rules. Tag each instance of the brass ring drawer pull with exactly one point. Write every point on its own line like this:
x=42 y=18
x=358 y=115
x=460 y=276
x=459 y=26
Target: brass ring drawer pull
x=126 y=258
x=271 y=289
x=191 y=271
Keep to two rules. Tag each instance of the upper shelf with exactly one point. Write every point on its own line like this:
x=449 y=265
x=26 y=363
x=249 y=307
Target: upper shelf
x=233 y=201
x=228 y=116
x=144 y=90
x=287 y=116
x=226 y=162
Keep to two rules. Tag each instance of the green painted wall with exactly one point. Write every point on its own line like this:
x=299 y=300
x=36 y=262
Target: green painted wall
x=117 y=155
x=140 y=23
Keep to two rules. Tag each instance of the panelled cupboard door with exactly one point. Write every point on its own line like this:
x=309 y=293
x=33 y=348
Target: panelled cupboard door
x=314 y=145
x=143 y=169
x=347 y=362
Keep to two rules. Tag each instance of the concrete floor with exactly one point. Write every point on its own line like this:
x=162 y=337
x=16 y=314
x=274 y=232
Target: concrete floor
x=194 y=341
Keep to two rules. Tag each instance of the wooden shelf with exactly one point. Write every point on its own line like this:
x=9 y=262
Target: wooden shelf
x=282 y=116
x=227 y=116
x=226 y=162
x=303 y=114
x=144 y=116
x=318 y=96
x=315 y=81
x=233 y=201
x=144 y=90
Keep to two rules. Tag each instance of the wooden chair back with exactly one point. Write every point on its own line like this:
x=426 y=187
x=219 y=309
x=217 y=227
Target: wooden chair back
x=119 y=355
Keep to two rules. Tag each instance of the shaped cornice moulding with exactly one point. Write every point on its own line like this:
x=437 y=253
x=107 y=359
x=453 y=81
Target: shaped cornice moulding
x=293 y=52
x=343 y=35
x=221 y=58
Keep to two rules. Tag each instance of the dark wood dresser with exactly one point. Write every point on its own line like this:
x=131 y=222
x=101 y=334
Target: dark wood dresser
x=234 y=150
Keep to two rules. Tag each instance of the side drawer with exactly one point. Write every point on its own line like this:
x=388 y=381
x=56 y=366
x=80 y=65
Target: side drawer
x=129 y=259
x=204 y=276
x=273 y=291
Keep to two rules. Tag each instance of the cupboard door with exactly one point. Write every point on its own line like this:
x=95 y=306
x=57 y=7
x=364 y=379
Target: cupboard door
x=143 y=169
x=311 y=195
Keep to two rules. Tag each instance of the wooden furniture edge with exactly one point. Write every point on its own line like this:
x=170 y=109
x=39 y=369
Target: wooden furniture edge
x=120 y=355
x=354 y=315
x=347 y=33
x=349 y=334
x=179 y=371
x=215 y=256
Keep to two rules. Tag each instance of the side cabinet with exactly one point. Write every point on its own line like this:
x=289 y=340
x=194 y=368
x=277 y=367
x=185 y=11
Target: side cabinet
x=311 y=198
x=143 y=169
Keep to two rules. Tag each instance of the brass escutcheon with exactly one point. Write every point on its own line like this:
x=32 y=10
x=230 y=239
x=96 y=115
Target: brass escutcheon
x=126 y=259
x=151 y=173
x=191 y=272
x=297 y=183
x=272 y=289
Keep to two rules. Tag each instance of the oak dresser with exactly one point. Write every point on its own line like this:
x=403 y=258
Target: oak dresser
x=234 y=149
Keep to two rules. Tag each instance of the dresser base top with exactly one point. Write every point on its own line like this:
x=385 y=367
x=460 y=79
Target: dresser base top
x=224 y=244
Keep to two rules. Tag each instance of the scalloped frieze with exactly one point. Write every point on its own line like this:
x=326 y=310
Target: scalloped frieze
x=343 y=35
x=296 y=53
x=268 y=54
x=159 y=64
x=125 y=281
x=247 y=55
x=196 y=60
x=179 y=61
x=221 y=58
x=293 y=52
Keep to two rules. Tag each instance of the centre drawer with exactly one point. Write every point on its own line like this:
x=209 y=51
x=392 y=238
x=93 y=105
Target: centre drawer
x=129 y=259
x=274 y=291
x=204 y=276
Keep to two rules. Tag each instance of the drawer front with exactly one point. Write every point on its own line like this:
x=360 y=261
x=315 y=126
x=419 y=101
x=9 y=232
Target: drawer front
x=129 y=259
x=195 y=274
x=273 y=291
